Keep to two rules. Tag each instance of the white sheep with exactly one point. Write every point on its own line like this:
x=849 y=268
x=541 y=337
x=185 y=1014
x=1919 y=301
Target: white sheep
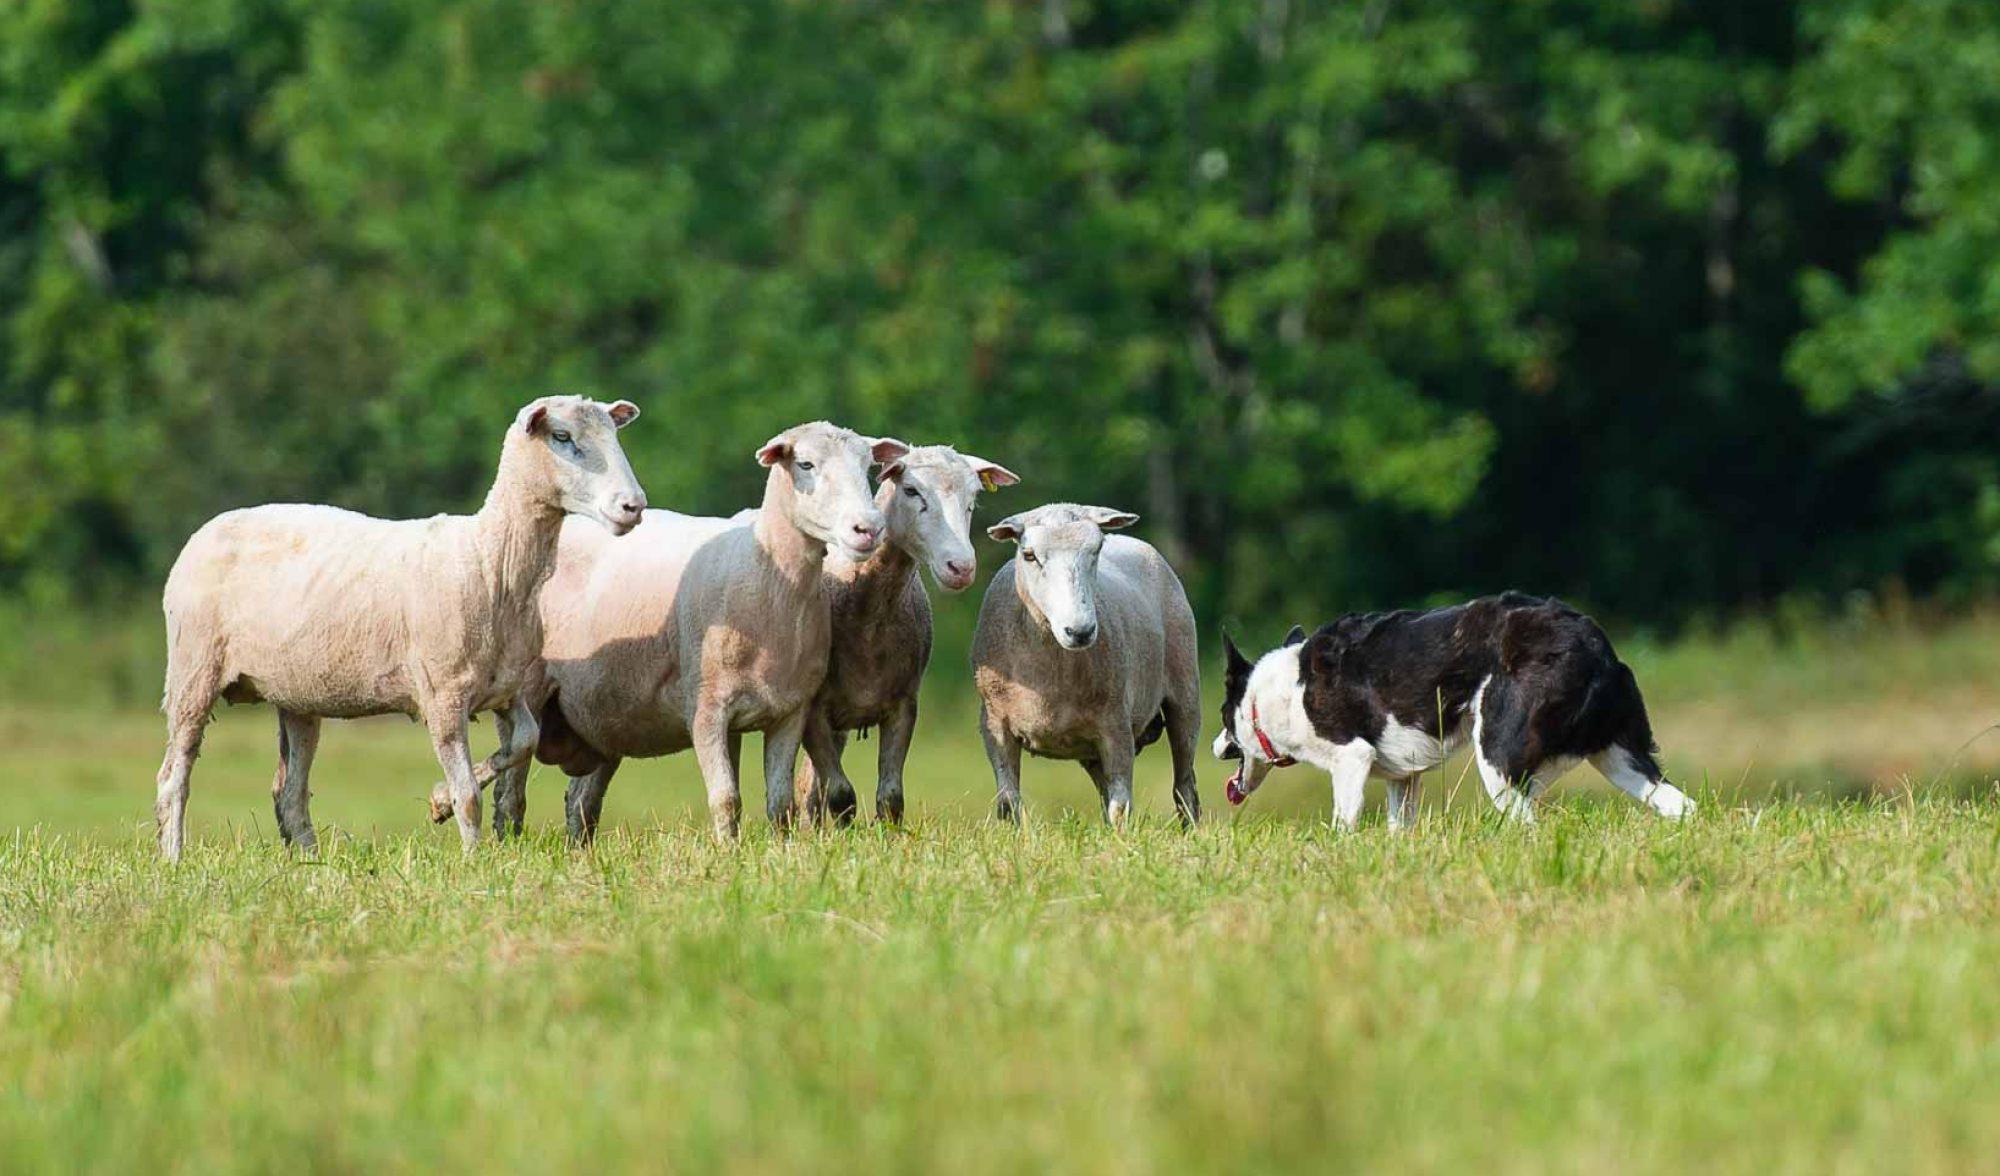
x=327 y=613
x=882 y=624
x=694 y=630
x=1085 y=650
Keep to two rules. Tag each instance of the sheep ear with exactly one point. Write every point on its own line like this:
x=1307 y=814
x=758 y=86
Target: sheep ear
x=1112 y=520
x=1006 y=530
x=1296 y=637
x=623 y=413
x=777 y=449
x=992 y=476
x=893 y=470
x=535 y=419
x=884 y=450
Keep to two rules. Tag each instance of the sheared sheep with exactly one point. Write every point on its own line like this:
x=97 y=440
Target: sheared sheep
x=326 y=613
x=882 y=624
x=1085 y=650
x=695 y=630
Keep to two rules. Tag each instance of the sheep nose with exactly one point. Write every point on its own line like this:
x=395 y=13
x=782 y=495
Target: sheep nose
x=630 y=508
x=865 y=535
x=959 y=569
x=1080 y=634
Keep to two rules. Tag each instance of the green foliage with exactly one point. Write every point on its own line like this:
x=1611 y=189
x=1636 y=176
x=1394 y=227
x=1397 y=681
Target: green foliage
x=1448 y=296
x=1906 y=89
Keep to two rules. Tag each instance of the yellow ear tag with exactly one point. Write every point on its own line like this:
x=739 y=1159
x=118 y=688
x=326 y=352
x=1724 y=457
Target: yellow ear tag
x=986 y=480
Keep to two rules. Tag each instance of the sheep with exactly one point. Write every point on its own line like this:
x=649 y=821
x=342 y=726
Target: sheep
x=1085 y=650
x=882 y=624
x=694 y=630
x=326 y=613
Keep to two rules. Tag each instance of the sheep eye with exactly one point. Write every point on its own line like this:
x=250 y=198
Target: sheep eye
x=1030 y=557
x=911 y=492
x=559 y=435
x=805 y=465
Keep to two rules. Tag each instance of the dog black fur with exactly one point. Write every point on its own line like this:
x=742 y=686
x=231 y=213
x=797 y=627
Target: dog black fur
x=1555 y=690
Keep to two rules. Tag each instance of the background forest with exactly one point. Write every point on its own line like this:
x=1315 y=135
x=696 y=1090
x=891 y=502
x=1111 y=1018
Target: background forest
x=1679 y=309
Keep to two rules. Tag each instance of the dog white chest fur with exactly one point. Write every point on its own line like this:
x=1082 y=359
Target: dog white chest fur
x=1276 y=697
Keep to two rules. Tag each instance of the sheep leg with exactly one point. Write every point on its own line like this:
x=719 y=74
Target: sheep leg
x=897 y=731
x=781 y=756
x=1183 y=740
x=1003 y=751
x=583 y=804
x=184 y=734
x=455 y=757
x=192 y=684
x=839 y=798
x=291 y=795
x=1095 y=770
x=821 y=779
x=519 y=729
x=510 y=801
x=507 y=766
x=1114 y=776
x=718 y=770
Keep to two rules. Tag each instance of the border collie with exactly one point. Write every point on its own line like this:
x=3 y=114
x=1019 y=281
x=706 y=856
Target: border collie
x=1532 y=682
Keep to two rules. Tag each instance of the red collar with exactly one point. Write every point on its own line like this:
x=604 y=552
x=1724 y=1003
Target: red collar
x=1264 y=742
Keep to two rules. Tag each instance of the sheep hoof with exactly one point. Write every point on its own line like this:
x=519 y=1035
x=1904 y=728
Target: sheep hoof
x=442 y=809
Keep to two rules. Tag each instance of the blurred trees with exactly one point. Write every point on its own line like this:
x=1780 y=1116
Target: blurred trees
x=1672 y=306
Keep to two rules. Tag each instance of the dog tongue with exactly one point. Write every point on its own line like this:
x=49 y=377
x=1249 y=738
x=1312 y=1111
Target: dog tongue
x=1234 y=790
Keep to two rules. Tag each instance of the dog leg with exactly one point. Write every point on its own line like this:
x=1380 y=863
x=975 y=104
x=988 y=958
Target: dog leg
x=1642 y=781
x=1496 y=735
x=1349 y=774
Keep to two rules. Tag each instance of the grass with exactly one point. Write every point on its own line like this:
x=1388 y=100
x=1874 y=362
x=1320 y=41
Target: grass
x=1801 y=987
x=1801 y=978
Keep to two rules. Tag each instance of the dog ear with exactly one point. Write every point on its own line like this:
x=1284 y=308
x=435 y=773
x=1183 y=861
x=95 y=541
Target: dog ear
x=1296 y=637
x=1233 y=657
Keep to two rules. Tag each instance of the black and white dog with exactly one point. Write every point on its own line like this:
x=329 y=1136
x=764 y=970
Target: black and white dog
x=1531 y=681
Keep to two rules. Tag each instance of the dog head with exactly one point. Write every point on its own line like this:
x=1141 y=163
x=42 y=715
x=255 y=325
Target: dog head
x=1236 y=734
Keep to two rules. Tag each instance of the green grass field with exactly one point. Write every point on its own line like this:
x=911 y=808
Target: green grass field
x=1804 y=987
x=1801 y=978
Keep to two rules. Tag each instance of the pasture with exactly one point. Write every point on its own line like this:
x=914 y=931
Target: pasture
x=1800 y=978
